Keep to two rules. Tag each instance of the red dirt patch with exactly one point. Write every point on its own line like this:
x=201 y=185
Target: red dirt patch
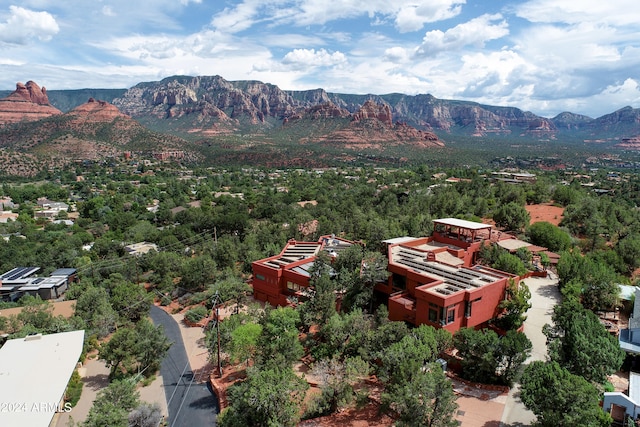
x=545 y=212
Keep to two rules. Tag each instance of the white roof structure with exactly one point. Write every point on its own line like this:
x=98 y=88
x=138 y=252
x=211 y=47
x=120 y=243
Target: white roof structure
x=462 y=223
x=34 y=372
x=397 y=240
x=513 y=244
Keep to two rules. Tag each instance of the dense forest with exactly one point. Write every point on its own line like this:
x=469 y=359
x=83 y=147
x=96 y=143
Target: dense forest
x=209 y=225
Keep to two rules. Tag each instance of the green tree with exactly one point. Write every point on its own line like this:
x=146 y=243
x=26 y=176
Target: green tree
x=198 y=272
x=138 y=349
x=515 y=305
x=321 y=304
x=94 y=308
x=511 y=216
x=629 y=249
x=151 y=347
x=509 y=263
x=113 y=404
x=360 y=292
x=266 y=398
x=426 y=400
x=130 y=301
x=599 y=289
x=549 y=236
x=422 y=346
x=244 y=341
x=118 y=352
x=488 y=358
x=232 y=289
x=278 y=343
x=337 y=378
x=581 y=344
x=559 y=398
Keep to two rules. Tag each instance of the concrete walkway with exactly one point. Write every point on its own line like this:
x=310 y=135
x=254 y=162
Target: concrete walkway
x=94 y=375
x=544 y=296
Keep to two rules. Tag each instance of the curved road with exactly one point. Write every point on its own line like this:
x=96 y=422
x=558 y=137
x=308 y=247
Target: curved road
x=189 y=403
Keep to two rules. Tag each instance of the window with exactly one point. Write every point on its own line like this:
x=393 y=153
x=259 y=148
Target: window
x=436 y=313
x=260 y=277
x=451 y=315
x=399 y=282
x=293 y=287
x=468 y=306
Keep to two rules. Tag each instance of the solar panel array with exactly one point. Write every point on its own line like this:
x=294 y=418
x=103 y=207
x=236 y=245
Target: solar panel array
x=455 y=279
x=18 y=273
x=294 y=253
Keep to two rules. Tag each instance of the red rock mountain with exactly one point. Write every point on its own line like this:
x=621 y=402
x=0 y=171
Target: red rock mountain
x=94 y=111
x=371 y=126
x=27 y=103
x=371 y=110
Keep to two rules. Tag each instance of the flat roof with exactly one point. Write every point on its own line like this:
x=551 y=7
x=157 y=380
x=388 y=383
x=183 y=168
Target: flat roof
x=454 y=278
x=34 y=372
x=462 y=223
x=513 y=244
x=396 y=240
x=18 y=273
x=64 y=272
x=294 y=251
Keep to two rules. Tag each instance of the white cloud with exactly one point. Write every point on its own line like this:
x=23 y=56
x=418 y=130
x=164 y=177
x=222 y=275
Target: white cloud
x=576 y=47
x=412 y=17
x=618 y=12
x=475 y=32
x=240 y=18
x=397 y=54
x=408 y=15
x=108 y=11
x=24 y=25
x=307 y=58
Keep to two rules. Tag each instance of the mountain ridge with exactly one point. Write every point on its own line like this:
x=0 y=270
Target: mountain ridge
x=233 y=104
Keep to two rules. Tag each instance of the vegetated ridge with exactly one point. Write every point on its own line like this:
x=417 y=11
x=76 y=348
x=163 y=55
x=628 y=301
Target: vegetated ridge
x=35 y=136
x=215 y=105
x=259 y=123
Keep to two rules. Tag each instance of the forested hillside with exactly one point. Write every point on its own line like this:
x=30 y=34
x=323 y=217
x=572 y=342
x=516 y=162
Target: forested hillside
x=209 y=226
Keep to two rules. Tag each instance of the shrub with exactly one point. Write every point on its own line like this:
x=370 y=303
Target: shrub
x=165 y=300
x=74 y=389
x=196 y=314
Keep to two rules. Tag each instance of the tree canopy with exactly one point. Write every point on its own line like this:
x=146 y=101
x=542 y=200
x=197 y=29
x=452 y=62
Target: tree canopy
x=559 y=398
x=578 y=342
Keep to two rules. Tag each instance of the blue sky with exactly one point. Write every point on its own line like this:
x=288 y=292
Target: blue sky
x=544 y=56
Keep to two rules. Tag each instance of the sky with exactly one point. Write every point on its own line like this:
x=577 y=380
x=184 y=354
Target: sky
x=543 y=56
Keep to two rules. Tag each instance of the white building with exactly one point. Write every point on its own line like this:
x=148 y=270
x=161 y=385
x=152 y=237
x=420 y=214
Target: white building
x=34 y=373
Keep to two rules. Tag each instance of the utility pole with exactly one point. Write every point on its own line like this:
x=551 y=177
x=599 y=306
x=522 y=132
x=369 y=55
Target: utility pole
x=216 y=302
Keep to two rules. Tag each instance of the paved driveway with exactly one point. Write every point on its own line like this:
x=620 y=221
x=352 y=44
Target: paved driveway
x=544 y=296
x=191 y=403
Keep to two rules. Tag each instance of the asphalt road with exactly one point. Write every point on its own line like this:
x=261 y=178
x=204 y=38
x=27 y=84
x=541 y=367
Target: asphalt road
x=189 y=403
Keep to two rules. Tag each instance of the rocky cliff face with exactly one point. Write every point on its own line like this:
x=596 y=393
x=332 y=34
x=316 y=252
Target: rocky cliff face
x=209 y=102
x=27 y=103
x=371 y=126
x=370 y=110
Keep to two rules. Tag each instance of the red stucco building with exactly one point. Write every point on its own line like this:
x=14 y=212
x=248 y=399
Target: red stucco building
x=433 y=280
x=277 y=278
